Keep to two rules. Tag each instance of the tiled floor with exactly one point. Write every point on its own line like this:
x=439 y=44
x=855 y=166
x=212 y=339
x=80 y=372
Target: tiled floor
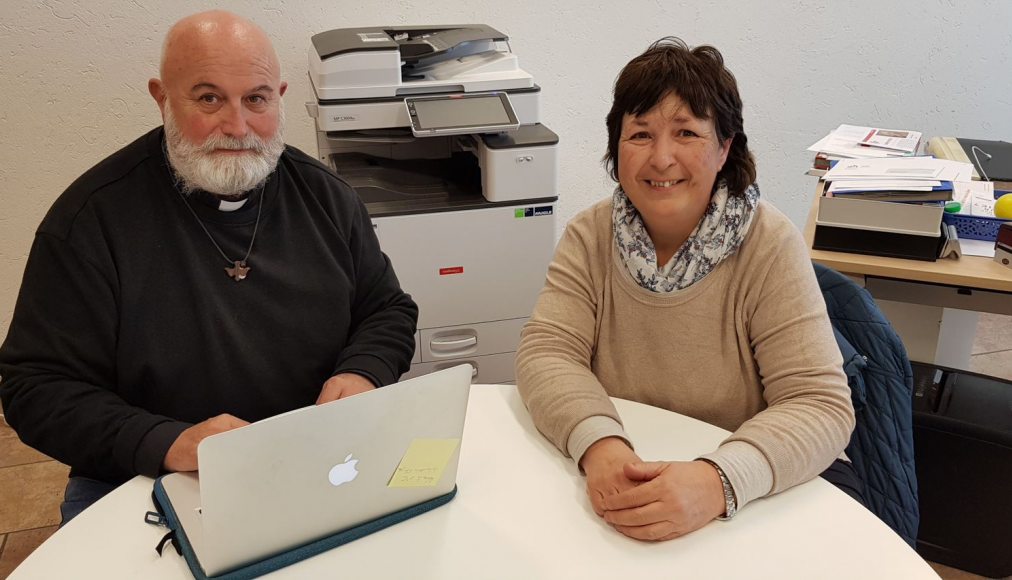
x=31 y=484
x=31 y=487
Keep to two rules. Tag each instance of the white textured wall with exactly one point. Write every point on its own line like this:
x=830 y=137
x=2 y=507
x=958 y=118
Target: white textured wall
x=74 y=77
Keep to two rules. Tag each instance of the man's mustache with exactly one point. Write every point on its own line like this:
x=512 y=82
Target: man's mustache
x=249 y=142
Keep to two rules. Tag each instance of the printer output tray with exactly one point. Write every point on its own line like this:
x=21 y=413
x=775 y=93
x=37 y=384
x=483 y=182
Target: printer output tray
x=390 y=187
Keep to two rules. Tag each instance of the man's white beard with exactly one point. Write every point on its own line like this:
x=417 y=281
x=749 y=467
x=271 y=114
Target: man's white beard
x=228 y=176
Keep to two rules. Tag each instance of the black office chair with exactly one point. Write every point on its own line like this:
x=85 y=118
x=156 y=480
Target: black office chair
x=875 y=361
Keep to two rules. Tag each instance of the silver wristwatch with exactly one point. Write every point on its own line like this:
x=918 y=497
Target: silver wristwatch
x=730 y=501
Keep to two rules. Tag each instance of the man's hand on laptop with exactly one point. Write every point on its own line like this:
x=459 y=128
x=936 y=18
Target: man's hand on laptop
x=182 y=456
x=343 y=385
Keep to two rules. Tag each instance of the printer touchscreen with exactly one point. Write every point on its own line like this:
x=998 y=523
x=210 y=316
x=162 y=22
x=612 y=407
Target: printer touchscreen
x=459 y=114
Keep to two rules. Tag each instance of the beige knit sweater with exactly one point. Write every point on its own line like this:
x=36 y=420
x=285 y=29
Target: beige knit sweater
x=748 y=348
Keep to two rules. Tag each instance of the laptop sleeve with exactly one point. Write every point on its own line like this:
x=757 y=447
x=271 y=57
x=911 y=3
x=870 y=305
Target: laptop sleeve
x=166 y=516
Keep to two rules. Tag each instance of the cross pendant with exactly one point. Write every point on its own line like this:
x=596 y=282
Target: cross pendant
x=238 y=271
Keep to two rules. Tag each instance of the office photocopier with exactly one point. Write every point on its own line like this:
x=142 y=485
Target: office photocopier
x=438 y=130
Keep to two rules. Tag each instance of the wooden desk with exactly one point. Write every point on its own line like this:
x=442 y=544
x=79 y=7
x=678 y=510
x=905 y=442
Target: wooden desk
x=932 y=305
x=522 y=512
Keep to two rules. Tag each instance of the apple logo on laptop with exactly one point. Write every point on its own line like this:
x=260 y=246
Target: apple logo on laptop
x=343 y=472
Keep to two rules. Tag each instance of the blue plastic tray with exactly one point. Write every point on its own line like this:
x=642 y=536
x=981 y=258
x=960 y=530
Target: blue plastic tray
x=975 y=227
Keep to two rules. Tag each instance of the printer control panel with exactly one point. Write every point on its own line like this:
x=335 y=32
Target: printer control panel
x=461 y=114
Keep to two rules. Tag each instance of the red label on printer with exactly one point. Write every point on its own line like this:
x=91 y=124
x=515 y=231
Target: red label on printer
x=453 y=270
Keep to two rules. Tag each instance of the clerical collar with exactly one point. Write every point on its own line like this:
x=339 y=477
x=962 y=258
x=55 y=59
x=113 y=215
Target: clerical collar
x=226 y=205
x=215 y=202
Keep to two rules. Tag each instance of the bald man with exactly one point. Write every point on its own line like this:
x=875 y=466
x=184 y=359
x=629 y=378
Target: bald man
x=203 y=276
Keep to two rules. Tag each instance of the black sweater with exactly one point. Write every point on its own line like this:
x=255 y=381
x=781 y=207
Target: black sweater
x=127 y=329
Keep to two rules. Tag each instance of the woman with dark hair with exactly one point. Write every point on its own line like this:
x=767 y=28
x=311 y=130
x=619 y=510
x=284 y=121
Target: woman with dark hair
x=685 y=291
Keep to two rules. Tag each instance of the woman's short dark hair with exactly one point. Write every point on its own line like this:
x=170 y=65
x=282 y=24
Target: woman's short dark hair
x=699 y=78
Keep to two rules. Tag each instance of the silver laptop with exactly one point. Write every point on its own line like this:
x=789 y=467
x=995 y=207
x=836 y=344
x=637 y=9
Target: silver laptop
x=295 y=478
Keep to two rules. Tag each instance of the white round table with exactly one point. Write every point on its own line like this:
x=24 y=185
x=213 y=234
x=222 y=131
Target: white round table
x=521 y=512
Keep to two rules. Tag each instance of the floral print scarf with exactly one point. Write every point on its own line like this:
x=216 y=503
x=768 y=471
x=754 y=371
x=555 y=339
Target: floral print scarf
x=718 y=235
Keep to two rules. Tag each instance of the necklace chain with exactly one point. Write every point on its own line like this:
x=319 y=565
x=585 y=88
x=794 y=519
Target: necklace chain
x=238 y=271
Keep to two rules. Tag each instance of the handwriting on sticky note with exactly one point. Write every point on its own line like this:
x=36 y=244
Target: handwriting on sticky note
x=423 y=463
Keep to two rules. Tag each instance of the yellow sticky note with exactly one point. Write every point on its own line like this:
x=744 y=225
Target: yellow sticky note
x=423 y=463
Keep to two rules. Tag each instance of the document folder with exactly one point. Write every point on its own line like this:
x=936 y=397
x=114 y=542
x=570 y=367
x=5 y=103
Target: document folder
x=993 y=157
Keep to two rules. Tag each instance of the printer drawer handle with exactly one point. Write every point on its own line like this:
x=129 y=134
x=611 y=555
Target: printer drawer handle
x=449 y=344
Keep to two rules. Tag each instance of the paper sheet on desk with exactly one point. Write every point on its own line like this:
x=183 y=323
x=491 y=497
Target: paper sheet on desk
x=845 y=142
x=975 y=197
x=976 y=248
x=900 y=168
x=893 y=139
x=982 y=204
x=956 y=170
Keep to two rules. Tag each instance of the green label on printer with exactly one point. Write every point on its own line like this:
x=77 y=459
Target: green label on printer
x=534 y=211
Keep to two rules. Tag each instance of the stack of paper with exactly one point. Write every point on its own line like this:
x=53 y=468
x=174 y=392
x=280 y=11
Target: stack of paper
x=897 y=179
x=855 y=142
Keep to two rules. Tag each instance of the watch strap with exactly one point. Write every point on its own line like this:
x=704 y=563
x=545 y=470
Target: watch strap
x=730 y=499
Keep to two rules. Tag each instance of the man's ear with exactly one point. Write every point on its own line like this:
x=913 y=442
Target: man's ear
x=157 y=91
x=282 y=89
